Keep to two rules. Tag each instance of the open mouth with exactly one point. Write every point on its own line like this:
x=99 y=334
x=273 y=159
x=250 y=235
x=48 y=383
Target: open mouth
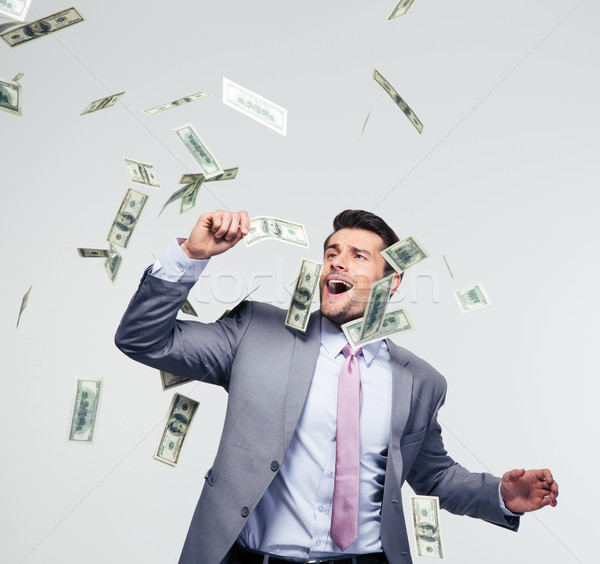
x=337 y=286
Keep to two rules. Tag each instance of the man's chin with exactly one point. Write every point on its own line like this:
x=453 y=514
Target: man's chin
x=339 y=317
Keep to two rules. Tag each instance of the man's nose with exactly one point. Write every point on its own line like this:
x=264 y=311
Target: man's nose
x=339 y=263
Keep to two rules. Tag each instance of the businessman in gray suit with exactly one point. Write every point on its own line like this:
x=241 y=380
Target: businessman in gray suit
x=284 y=486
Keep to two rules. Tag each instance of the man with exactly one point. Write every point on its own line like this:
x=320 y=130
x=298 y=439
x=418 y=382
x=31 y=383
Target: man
x=273 y=492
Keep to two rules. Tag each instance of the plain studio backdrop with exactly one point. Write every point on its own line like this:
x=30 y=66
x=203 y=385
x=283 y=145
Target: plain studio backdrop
x=503 y=182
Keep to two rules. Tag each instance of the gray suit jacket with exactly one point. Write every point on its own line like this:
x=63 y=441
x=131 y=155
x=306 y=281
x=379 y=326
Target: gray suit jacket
x=267 y=368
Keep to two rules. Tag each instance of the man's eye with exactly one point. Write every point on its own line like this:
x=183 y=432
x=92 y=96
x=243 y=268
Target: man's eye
x=360 y=256
x=331 y=255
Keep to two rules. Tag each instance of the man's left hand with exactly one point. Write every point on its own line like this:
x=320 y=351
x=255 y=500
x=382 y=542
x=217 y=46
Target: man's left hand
x=528 y=490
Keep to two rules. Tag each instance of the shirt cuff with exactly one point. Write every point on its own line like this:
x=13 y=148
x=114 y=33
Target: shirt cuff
x=507 y=512
x=175 y=266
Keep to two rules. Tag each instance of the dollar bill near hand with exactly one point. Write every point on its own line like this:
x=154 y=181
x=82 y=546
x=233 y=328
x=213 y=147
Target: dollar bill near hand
x=85 y=410
x=188 y=308
x=15 y=9
x=113 y=263
x=398 y=99
x=24 y=304
x=93 y=253
x=228 y=174
x=176 y=427
x=400 y=9
x=262 y=228
x=255 y=106
x=177 y=103
x=404 y=254
x=102 y=103
x=199 y=150
x=10 y=97
x=169 y=380
x=42 y=27
x=188 y=200
x=425 y=514
x=178 y=194
x=141 y=173
x=298 y=312
x=472 y=297
x=376 y=305
x=126 y=219
x=395 y=321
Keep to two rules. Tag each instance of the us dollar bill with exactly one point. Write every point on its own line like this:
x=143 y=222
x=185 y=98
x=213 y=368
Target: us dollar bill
x=42 y=27
x=395 y=321
x=10 y=97
x=169 y=380
x=141 y=173
x=15 y=9
x=264 y=227
x=400 y=9
x=255 y=106
x=425 y=514
x=176 y=427
x=298 y=312
x=404 y=254
x=18 y=77
x=85 y=410
x=375 y=310
x=228 y=174
x=177 y=103
x=188 y=201
x=398 y=99
x=188 y=308
x=113 y=263
x=472 y=297
x=199 y=150
x=178 y=194
x=126 y=219
x=102 y=103
x=24 y=304
x=95 y=253
x=229 y=312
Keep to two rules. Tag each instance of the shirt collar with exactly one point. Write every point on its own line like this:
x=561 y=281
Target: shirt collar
x=334 y=340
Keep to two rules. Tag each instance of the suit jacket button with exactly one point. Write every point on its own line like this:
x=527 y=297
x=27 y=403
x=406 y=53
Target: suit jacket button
x=245 y=511
x=274 y=466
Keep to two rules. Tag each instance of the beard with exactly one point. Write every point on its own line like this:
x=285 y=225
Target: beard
x=348 y=312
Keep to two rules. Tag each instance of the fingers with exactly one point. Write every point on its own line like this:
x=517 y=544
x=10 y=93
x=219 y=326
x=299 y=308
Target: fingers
x=514 y=475
x=230 y=225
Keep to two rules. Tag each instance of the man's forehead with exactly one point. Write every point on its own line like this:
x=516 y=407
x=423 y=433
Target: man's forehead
x=360 y=238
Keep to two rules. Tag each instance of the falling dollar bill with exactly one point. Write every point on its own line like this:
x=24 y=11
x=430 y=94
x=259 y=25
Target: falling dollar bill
x=141 y=173
x=15 y=9
x=178 y=194
x=299 y=310
x=404 y=254
x=188 y=308
x=448 y=267
x=425 y=513
x=262 y=228
x=177 y=424
x=42 y=27
x=113 y=263
x=395 y=321
x=24 y=304
x=188 y=200
x=126 y=219
x=171 y=380
x=102 y=103
x=85 y=410
x=93 y=253
x=229 y=312
x=255 y=106
x=228 y=174
x=10 y=97
x=472 y=297
x=18 y=77
x=177 y=103
x=400 y=9
x=398 y=99
x=378 y=298
x=199 y=150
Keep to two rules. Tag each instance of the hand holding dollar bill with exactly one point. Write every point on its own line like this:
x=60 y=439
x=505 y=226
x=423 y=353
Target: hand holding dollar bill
x=262 y=228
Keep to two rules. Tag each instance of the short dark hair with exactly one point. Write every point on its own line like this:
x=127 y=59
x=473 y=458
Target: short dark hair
x=361 y=219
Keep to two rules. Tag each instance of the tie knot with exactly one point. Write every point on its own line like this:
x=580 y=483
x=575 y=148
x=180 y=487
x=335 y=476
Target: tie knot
x=349 y=351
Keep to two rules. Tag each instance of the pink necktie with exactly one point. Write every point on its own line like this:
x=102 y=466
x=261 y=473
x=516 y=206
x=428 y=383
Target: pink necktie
x=344 y=513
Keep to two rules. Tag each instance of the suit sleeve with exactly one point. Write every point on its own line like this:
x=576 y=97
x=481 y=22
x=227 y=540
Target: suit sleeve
x=150 y=333
x=461 y=492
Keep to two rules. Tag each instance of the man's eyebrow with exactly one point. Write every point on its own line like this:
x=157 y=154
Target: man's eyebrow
x=335 y=246
x=361 y=251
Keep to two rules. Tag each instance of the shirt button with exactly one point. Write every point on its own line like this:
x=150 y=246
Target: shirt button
x=274 y=466
x=245 y=511
x=318 y=543
x=321 y=508
x=330 y=474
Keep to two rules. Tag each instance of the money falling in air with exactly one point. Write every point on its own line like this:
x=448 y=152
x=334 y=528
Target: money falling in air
x=298 y=313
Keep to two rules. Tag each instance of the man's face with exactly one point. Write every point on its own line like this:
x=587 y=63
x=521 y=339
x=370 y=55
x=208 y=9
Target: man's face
x=352 y=262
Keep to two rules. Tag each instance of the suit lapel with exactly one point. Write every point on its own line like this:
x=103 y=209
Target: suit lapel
x=303 y=362
x=402 y=384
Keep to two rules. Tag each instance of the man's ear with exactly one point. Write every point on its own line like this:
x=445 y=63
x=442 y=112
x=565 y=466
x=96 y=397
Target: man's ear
x=396 y=282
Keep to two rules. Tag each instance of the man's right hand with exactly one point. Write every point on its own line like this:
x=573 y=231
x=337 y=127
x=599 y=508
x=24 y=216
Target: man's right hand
x=216 y=232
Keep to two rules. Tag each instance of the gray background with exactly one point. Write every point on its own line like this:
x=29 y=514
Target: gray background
x=503 y=181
